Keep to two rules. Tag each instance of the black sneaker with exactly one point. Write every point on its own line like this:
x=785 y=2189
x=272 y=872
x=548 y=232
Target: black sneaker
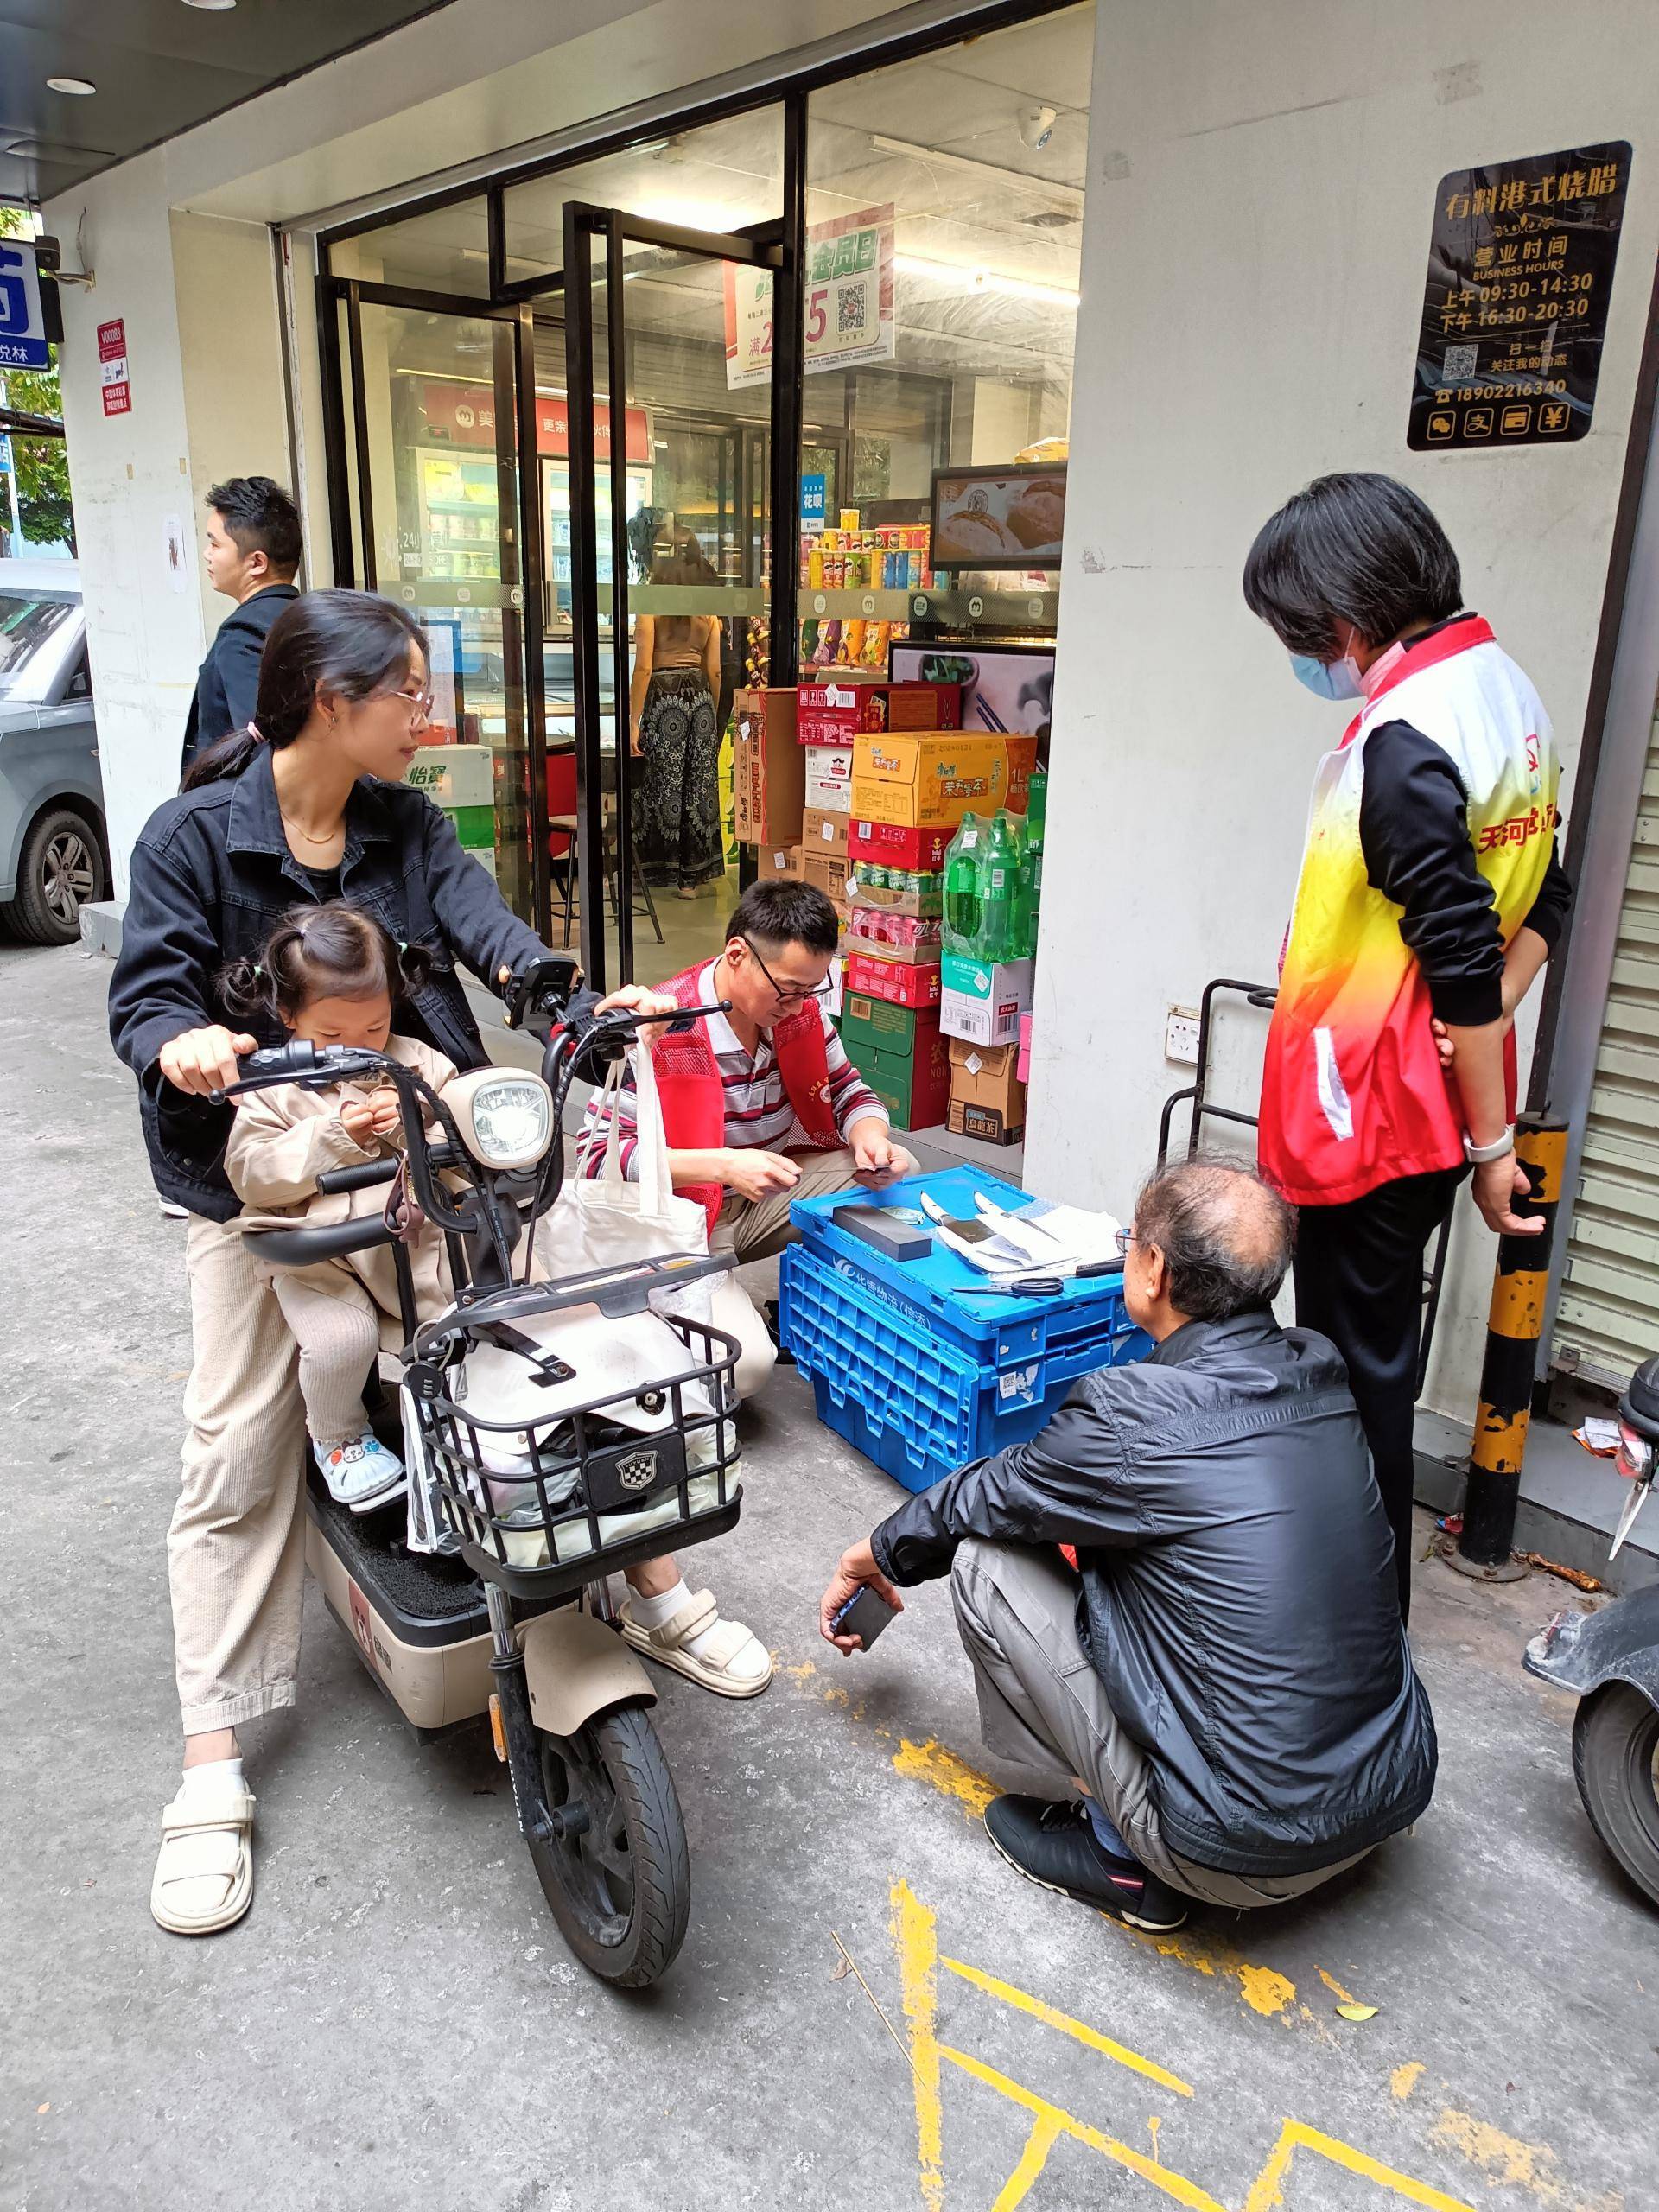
x=769 y=1315
x=1055 y=1846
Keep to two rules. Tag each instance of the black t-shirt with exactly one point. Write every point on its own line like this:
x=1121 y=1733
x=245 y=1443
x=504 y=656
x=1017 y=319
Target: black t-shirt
x=325 y=882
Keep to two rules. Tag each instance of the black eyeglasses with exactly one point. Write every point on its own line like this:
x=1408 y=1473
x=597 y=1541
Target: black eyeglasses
x=1123 y=1239
x=789 y=994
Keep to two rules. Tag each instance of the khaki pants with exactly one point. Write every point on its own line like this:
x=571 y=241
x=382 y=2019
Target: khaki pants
x=236 y=1550
x=1042 y=1706
x=759 y=1229
x=338 y=1332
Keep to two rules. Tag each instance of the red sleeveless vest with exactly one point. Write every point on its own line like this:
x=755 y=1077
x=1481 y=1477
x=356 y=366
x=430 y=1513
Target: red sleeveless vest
x=694 y=1099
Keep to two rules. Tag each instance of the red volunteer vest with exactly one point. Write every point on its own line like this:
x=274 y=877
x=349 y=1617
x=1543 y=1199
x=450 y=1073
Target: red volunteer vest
x=1352 y=1091
x=693 y=1098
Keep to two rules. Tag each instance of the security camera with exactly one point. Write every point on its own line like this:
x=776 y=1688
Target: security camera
x=1036 y=127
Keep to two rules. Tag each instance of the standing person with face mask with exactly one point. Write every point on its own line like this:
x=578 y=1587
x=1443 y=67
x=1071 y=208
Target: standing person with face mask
x=1431 y=896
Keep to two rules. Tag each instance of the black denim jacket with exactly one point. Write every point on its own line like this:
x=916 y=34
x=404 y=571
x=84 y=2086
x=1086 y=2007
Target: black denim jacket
x=212 y=875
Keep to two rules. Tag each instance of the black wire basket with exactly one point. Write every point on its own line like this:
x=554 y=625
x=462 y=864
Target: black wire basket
x=584 y=1494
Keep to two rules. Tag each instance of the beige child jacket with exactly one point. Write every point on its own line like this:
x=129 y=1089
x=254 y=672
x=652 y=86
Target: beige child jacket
x=284 y=1138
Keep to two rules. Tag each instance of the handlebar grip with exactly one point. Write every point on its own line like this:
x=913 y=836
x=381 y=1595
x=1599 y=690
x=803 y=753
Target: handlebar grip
x=358 y=1177
x=297 y=1058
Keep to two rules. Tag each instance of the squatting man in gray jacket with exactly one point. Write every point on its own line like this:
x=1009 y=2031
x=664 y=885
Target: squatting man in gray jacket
x=1219 y=1701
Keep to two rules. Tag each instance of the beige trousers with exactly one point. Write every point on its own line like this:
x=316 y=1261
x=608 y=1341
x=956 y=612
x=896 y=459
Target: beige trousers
x=338 y=1332
x=759 y=1229
x=236 y=1550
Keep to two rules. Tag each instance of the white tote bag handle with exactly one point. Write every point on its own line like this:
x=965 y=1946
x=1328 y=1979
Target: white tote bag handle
x=651 y=1171
x=650 y=1152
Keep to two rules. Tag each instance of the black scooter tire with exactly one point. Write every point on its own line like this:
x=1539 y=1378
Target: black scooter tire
x=1615 y=1742
x=627 y=1928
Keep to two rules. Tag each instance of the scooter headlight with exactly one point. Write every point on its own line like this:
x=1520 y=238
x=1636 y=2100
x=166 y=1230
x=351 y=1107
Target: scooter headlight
x=505 y=1115
x=1635 y=1454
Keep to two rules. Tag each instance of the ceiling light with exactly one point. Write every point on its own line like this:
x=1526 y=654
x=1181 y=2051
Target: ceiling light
x=78 y=86
x=967 y=279
x=210 y=6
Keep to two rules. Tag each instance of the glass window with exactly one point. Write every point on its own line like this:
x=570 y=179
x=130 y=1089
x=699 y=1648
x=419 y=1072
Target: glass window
x=446 y=251
x=443 y=487
x=721 y=176
x=944 y=215
x=33 y=629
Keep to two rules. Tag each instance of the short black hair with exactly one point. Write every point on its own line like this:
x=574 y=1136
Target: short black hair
x=1227 y=1236
x=260 y=517
x=779 y=913
x=1358 y=548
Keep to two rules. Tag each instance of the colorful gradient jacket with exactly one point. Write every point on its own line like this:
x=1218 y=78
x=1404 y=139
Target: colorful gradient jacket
x=1352 y=1091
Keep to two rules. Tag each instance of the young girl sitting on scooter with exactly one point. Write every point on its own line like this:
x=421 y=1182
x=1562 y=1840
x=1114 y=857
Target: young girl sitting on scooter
x=332 y=975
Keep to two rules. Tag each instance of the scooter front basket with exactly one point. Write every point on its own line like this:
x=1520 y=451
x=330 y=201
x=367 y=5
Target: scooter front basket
x=541 y=1505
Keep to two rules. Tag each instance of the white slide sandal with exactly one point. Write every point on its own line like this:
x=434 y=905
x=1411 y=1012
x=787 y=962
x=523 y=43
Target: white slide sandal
x=711 y=1668
x=204 y=1875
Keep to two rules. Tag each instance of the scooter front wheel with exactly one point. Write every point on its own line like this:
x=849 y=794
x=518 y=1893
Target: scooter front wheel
x=608 y=1843
x=1616 y=1766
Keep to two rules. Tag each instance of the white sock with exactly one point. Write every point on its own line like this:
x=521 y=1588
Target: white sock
x=212 y=1777
x=657 y=1612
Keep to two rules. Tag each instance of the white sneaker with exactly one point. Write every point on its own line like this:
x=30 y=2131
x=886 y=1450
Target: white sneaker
x=360 y=1473
x=170 y=1212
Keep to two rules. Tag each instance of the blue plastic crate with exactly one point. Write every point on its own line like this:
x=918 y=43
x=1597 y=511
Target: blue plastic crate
x=917 y=1405
x=1081 y=1323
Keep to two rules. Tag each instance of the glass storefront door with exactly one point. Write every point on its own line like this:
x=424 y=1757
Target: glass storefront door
x=435 y=523
x=669 y=584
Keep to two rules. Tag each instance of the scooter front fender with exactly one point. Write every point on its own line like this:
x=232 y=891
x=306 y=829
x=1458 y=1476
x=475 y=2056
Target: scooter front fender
x=1580 y=1651
x=574 y=1667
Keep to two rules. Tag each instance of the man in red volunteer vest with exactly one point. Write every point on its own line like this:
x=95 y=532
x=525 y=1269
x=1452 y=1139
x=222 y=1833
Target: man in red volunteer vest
x=1431 y=895
x=760 y=1106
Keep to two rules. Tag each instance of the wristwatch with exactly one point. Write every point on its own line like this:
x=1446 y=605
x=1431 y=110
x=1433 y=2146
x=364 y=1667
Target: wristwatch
x=1477 y=1155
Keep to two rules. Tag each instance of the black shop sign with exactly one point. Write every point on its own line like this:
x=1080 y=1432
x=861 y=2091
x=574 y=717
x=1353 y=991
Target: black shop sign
x=1520 y=273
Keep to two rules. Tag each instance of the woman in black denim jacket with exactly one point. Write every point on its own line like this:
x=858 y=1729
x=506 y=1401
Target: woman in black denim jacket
x=307 y=803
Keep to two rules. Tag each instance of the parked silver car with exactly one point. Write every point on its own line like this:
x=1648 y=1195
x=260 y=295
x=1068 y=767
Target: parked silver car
x=54 y=851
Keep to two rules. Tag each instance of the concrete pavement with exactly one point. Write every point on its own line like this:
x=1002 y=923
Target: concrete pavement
x=398 y=2023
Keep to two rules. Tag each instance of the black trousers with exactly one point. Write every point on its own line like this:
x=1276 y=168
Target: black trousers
x=1359 y=1281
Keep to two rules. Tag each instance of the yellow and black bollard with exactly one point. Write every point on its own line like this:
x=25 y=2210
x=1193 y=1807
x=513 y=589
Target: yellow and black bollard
x=1520 y=1291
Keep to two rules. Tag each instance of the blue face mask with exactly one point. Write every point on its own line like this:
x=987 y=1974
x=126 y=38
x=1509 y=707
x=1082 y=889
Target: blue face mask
x=1337 y=679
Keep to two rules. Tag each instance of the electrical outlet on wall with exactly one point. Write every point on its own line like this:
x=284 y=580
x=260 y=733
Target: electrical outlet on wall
x=1181 y=1037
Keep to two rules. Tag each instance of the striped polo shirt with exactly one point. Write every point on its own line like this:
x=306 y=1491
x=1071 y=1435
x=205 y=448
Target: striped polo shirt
x=758 y=1117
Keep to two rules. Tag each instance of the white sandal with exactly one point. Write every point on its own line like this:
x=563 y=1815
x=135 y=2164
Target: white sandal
x=711 y=1668
x=206 y=1845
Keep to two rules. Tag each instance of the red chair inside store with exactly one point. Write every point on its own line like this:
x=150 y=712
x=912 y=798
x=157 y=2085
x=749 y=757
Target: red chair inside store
x=562 y=843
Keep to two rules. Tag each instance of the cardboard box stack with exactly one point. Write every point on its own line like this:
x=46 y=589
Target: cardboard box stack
x=768 y=769
x=988 y=1099
x=901 y=1055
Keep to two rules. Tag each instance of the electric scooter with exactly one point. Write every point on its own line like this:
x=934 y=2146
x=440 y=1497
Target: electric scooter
x=1610 y=1660
x=533 y=1495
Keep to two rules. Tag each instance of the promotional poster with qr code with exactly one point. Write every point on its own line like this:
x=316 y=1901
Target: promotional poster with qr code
x=848 y=301
x=1521 y=262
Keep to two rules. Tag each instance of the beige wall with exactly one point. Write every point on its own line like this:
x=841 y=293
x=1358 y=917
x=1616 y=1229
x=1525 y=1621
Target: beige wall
x=231 y=354
x=1259 y=192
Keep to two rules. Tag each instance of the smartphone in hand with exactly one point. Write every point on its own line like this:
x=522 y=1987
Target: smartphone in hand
x=864 y=1615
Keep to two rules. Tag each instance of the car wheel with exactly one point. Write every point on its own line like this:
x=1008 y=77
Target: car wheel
x=60 y=871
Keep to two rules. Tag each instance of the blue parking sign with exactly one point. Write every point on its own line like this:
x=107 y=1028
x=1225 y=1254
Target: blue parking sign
x=22 y=327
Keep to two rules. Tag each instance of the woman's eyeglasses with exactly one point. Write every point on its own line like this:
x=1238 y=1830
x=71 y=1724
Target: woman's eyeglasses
x=1123 y=1238
x=420 y=704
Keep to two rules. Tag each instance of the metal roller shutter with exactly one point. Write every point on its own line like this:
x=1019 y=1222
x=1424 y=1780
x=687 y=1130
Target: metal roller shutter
x=1608 y=1318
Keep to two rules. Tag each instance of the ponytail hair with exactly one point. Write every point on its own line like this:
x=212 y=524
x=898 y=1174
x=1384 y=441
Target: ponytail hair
x=335 y=950
x=353 y=643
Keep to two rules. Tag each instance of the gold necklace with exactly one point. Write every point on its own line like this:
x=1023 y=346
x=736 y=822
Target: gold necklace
x=306 y=834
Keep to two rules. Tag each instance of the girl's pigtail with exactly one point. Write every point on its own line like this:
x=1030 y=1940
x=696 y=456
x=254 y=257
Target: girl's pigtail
x=414 y=967
x=245 y=988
